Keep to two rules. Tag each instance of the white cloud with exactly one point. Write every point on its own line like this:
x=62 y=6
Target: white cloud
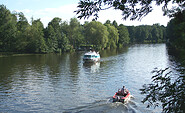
x=25 y=11
x=63 y=12
x=46 y=15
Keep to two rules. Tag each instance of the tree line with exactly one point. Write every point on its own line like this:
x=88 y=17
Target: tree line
x=147 y=33
x=18 y=35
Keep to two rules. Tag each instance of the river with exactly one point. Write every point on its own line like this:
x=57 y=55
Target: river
x=63 y=83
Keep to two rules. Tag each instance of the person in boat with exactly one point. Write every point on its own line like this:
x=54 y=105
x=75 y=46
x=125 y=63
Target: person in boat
x=123 y=91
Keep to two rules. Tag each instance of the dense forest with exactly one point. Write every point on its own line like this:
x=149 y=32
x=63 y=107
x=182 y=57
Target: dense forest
x=176 y=32
x=18 y=35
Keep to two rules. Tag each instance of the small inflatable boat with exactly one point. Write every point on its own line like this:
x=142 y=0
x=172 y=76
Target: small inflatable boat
x=121 y=98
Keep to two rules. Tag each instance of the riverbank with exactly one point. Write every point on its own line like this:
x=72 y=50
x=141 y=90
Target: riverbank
x=5 y=54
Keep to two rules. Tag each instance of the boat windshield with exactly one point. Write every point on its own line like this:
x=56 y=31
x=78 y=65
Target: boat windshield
x=87 y=56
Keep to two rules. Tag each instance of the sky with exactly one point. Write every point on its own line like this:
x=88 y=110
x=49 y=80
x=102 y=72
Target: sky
x=46 y=10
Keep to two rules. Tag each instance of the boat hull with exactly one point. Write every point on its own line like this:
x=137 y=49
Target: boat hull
x=120 y=98
x=91 y=60
x=91 y=57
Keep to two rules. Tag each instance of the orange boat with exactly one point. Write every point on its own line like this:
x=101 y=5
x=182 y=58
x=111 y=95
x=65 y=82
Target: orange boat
x=120 y=98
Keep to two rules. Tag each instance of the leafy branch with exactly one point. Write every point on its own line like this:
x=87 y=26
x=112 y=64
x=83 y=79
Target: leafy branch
x=166 y=91
x=133 y=9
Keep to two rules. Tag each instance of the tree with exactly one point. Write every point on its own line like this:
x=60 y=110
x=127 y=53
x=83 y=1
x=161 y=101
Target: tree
x=55 y=23
x=139 y=34
x=53 y=35
x=36 y=38
x=7 y=30
x=96 y=34
x=65 y=43
x=64 y=27
x=176 y=34
x=165 y=90
x=131 y=31
x=65 y=46
x=22 y=33
x=157 y=33
x=133 y=9
x=115 y=24
x=75 y=33
x=51 y=39
x=147 y=33
x=123 y=35
x=107 y=22
x=113 y=36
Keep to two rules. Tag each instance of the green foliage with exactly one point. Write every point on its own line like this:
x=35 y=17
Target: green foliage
x=113 y=36
x=176 y=32
x=53 y=36
x=123 y=35
x=115 y=24
x=96 y=34
x=107 y=22
x=74 y=33
x=133 y=9
x=22 y=32
x=17 y=35
x=165 y=90
x=36 y=42
x=7 y=30
x=147 y=34
x=132 y=31
x=64 y=43
x=51 y=39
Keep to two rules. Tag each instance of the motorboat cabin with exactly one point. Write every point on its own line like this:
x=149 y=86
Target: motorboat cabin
x=91 y=56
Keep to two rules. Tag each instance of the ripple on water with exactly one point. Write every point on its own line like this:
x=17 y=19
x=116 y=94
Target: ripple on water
x=62 y=83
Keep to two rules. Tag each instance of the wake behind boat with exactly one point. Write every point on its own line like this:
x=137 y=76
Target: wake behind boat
x=91 y=56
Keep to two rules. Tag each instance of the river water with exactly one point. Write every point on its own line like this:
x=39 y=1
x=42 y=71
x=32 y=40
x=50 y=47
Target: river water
x=63 y=83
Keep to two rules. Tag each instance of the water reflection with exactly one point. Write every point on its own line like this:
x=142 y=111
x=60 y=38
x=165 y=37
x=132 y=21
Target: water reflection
x=91 y=67
x=63 y=83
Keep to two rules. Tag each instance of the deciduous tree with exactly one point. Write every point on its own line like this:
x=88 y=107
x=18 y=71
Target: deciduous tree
x=22 y=33
x=165 y=90
x=123 y=35
x=113 y=36
x=96 y=34
x=7 y=30
x=36 y=38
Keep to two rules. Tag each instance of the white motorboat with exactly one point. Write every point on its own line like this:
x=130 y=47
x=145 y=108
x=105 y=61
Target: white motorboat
x=91 y=56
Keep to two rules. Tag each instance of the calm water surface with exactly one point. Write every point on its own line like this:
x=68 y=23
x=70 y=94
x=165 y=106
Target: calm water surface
x=63 y=83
